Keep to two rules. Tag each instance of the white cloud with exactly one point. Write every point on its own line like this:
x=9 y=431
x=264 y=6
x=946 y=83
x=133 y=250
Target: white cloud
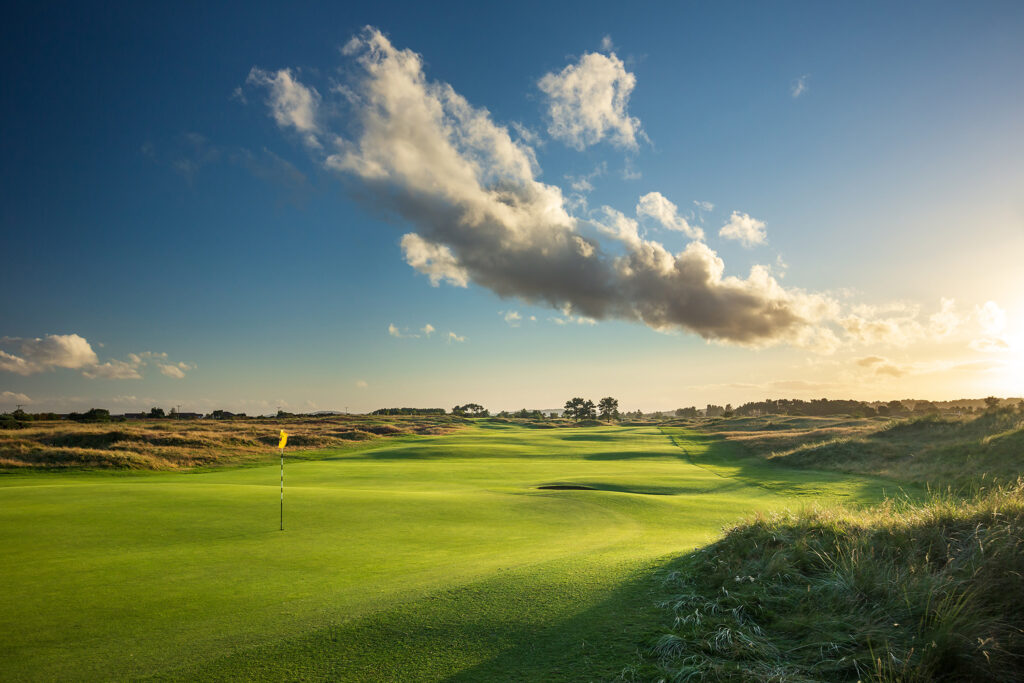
x=14 y=397
x=658 y=207
x=427 y=329
x=452 y=337
x=433 y=260
x=799 y=86
x=471 y=189
x=361 y=384
x=175 y=370
x=704 y=206
x=513 y=318
x=46 y=353
x=748 y=231
x=587 y=102
x=395 y=332
x=292 y=104
x=114 y=369
x=606 y=44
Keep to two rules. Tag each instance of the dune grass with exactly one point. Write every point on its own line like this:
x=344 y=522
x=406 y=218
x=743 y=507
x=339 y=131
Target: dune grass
x=185 y=444
x=422 y=558
x=964 y=454
x=900 y=592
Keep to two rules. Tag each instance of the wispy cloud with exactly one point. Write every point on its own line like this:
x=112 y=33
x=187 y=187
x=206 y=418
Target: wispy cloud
x=293 y=104
x=799 y=86
x=427 y=330
x=452 y=337
x=513 y=318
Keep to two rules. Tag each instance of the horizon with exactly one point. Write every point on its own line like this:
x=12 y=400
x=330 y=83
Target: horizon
x=346 y=209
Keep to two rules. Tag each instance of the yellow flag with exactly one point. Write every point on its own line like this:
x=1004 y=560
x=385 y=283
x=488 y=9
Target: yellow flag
x=284 y=439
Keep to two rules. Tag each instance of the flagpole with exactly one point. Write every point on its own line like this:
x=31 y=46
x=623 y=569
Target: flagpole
x=284 y=440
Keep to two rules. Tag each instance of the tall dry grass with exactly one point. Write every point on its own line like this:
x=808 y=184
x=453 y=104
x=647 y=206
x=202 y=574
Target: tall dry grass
x=177 y=444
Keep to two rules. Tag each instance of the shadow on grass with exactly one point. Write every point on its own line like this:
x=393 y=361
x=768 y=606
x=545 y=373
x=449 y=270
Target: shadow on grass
x=731 y=460
x=558 y=622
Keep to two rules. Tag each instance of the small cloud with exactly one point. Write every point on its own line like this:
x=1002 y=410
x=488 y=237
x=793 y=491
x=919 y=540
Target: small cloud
x=513 y=318
x=14 y=397
x=427 y=329
x=452 y=337
x=113 y=369
x=799 y=86
x=606 y=44
x=704 y=206
x=868 y=361
x=174 y=370
x=292 y=104
x=890 y=369
x=655 y=205
x=587 y=102
x=361 y=384
x=741 y=227
x=989 y=344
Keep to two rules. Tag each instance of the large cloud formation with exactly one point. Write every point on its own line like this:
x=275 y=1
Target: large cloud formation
x=471 y=190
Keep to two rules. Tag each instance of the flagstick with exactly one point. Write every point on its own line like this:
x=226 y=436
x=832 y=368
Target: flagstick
x=282 y=489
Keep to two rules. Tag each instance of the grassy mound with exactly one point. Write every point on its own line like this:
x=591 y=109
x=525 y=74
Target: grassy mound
x=182 y=444
x=897 y=592
x=951 y=451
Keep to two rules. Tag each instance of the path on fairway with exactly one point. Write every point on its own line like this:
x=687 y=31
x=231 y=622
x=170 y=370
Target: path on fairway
x=430 y=558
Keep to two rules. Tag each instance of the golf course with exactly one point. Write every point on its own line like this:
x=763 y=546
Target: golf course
x=498 y=551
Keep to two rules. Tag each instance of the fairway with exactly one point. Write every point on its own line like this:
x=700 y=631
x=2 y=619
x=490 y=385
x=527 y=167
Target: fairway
x=426 y=558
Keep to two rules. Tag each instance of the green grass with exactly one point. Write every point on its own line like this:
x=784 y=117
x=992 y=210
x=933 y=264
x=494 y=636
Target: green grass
x=428 y=558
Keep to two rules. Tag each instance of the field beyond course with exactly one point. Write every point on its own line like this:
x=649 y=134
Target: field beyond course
x=425 y=558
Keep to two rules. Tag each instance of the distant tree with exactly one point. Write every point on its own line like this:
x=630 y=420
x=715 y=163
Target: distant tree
x=713 y=410
x=579 y=409
x=883 y=410
x=686 y=412
x=156 y=412
x=471 y=410
x=991 y=403
x=608 y=408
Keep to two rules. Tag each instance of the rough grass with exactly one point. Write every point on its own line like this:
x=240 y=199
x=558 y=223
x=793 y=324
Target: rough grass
x=182 y=444
x=962 y=453
x=900 y=592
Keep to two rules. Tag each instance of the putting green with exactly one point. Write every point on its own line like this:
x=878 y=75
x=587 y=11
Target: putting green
x=427 y=558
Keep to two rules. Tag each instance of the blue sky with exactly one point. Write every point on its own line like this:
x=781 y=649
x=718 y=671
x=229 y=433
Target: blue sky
x=180 y=229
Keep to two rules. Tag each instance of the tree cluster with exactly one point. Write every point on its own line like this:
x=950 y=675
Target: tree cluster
x=408 y=411
x=584 y=409
x=471 y=410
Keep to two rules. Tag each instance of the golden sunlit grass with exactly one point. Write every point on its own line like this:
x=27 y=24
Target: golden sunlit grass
x=177 y=444
x=939 y=451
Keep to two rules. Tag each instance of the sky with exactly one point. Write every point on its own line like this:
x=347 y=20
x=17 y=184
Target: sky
x=345 y=206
